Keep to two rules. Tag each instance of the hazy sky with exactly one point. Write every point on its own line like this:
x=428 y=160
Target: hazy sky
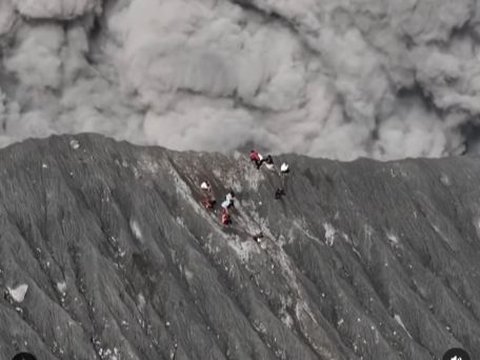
x=332 y=78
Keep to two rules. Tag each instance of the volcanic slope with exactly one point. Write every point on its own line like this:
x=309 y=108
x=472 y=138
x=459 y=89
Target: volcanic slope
x=107 y=253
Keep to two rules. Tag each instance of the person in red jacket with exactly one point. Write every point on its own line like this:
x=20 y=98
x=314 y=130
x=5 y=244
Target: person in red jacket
x=226 y=220
x=256 y=158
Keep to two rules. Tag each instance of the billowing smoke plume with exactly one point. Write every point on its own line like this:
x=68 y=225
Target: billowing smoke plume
x=335 y=78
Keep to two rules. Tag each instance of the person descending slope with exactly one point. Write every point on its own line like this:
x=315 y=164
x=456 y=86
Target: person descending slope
x=284 y=170
x=257 y=237
x=226 y=220
x=256 y=158
x=279 y=193
x=208 y=200
x=230 y=197
x=229 y=200
x=226 y=205
x=206 y=186
x=269 y=163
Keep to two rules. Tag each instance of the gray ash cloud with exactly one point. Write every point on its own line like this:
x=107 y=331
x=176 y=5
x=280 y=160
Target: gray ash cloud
x=338 y=79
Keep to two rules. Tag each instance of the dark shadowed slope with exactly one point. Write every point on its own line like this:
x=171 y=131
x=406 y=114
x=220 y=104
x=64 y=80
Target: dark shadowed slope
x=361 y=260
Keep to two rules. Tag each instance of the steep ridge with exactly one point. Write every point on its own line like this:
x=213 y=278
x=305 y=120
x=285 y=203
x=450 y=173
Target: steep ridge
x=360 y=260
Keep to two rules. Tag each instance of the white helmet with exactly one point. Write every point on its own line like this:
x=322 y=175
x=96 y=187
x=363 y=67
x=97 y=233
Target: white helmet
x=284 y=167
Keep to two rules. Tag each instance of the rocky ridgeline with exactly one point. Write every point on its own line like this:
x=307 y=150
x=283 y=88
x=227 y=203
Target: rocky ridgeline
x=107 y=253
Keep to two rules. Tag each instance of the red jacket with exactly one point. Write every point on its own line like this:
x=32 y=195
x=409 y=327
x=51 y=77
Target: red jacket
x=254 y=156
x=225 y=218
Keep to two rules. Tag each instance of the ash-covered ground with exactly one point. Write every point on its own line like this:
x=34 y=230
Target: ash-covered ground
x=107 y=253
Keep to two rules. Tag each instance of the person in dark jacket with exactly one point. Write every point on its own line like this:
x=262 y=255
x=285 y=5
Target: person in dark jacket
x=279 y=193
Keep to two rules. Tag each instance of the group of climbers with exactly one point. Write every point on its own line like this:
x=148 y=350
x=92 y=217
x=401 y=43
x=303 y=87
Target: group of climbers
x=209 y=201
x=258 y=160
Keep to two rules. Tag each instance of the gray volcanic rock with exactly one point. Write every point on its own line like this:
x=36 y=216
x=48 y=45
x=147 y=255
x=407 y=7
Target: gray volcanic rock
x=360 y=260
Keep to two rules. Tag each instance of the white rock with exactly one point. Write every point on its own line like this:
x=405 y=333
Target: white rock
x=18 y=294
x=62 y=286
x=135 y=228
x=141 y=301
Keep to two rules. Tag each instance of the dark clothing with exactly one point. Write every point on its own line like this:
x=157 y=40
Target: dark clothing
x=279 y=193
x=259 y=163
x=258 y=236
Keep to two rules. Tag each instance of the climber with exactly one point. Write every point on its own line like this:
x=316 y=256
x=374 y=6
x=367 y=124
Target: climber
x=279 y=193
x=269 y=163
x=284 y=168
x=226 y=220
x=209 y=203
x=258 y=236
x=206 y=186
x=229 y=200
x=227 y=204
x=230 y=197
x=256 y=158
x=208 y=200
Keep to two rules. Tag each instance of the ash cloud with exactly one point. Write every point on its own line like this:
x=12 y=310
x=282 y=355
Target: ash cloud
x=339 y=79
